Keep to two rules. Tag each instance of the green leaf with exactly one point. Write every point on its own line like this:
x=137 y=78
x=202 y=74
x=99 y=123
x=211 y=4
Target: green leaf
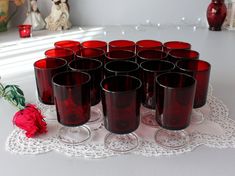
x=19 y=91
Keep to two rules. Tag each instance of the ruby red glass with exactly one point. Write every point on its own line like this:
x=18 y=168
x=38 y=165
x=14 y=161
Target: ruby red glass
x=44 y=70
x=178 y=54
x=94 y=69
x=91 y=53
x=122 y=45
x=200 y=70
x=148 y=71
x=121 y=98
x=98 y=44
x=167 y=46
x=72 y=100
x=24 y=30
x=145 y=55
x=121 y=67
x=174 y=97
x=148 y=45
x=63 y=53
x=69 y=44
x=120 y=55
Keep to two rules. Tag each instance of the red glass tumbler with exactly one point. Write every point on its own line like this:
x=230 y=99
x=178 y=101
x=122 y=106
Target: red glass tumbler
x=148 y=45
x=122 y=45
x=174 y=98
x=72 y=100
x=121 y=67
x=178 y=54
x=200 y=70
x=121 y=98
x=91 y=53
x=145 y=55
x=167 y=46
x=97 y=44
x=69 y=44
x=148 y=71
x=120 y=55
x=95 y=69
x=63 y=53
x=44 y=70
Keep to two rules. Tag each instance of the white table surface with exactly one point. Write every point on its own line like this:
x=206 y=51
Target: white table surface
x=16 y=68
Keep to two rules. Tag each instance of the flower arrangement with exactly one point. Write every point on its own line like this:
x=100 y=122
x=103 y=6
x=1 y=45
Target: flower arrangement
x=28 y=118
x=4 y=12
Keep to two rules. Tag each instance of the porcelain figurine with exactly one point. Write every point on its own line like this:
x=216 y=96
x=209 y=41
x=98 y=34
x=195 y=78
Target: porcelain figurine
x=34 y=17
x=59 y=16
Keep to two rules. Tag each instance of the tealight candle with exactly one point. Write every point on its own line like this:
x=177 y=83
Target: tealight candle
x=24 y=30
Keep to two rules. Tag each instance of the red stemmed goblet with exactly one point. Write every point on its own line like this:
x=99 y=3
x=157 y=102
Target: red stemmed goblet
x=122 y=45
x=174 y=98
x=97 y=44
x=179 y=54
x=148 y=71
x=63 y=53
x=167 y=46
x=121 y=67
x=200 y=70
x=145 y=55
x=69 y=44
x=120 y=55
x=72 y=100
x=121 y=98
x=44 y=70
x=95 y=69
x=148 y=45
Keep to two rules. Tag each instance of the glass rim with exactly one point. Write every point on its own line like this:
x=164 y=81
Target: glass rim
x=68 y=41
x=184 y=50
x=157 y=71
x=72 y=85
x=175 y=41
x=54 y=49
x=86 y=59
x=94 y=49
x=111 y=43
x=50 y=68
x=138 y=43
x=150 y=50
x=94 y=41
x=178 y=73
x=118 y=51
x=193 y=60
x=123 y=71
x=119 y=92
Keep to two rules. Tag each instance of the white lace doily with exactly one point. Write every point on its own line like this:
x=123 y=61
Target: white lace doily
x=217 y=131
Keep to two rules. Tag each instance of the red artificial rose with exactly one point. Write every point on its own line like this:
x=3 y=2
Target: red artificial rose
x=31 y=120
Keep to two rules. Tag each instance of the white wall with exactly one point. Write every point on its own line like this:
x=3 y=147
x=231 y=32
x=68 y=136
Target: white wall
x=114 y=12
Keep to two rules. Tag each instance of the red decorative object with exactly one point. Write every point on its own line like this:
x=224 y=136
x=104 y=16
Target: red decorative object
x=24 y=30
x=31 y=120
x=216 y=13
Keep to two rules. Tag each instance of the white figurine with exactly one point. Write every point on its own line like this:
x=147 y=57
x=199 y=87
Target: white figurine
x=34 y=17
x=59 y=16
x=66 y=24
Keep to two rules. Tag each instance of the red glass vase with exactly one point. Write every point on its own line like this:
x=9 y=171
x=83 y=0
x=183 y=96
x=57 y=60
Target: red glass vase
x=216 y=13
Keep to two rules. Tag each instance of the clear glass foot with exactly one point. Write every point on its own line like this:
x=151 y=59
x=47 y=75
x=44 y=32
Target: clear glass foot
x=74 y=135
x=197 y=117
x=96 y=115
x=121 y=142
x=172 y=139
